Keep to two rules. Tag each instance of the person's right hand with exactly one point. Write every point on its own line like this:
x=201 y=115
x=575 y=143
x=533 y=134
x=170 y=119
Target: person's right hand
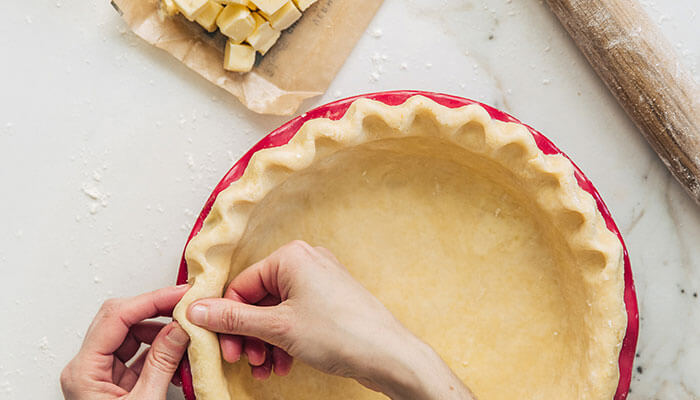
x=304 y=304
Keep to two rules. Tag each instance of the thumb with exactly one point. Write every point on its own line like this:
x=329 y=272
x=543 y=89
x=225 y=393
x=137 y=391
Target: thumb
x=161 y=363
x=235 y=318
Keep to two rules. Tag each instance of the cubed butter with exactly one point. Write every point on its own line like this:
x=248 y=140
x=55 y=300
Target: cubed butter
x=236 y=22
x=259 y=19
x=246 y=3
x=284 y=17
x=191 y=8
x=269 y=6
x=239 y=57
x=304 y=4
x=264 y=36
x=207 y=18
x=169 y=7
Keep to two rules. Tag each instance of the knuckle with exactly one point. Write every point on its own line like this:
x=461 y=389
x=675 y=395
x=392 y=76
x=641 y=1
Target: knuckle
x=297 y=255
x=327 y=254
x=299 y=246
x=280 y=326
x=162 y=360
x=110 y=307
x=66 y=377
x=231 y=320
x=70 y=378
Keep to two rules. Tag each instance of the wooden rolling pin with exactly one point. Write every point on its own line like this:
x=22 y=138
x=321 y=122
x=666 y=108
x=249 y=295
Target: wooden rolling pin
x=642 y=70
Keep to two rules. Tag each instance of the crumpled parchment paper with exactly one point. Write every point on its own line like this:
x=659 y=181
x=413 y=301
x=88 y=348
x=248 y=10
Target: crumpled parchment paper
x=300 y=65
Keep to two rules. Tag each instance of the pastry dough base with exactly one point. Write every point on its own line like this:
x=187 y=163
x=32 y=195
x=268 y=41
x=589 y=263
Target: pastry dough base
x=446 y=241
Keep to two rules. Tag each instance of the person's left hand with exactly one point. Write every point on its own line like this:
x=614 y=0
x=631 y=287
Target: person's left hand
x=100 y=370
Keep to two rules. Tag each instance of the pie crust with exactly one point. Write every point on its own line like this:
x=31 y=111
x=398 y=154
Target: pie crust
x=482 y=245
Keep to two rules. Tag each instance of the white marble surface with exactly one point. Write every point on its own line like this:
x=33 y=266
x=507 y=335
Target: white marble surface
x=108 y=148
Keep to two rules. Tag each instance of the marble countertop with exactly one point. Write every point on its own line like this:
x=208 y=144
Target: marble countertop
x=109 y=147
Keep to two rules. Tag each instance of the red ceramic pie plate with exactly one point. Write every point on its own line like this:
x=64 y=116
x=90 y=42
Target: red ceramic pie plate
x=336 y=110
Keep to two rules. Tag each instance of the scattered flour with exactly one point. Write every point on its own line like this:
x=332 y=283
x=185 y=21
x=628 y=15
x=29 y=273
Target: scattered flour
x=92 y=192
x=99 y=199
x=44 y=344
x=378 y=61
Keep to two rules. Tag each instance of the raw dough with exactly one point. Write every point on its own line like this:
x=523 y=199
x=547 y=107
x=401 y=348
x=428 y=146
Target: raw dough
x=481 y=245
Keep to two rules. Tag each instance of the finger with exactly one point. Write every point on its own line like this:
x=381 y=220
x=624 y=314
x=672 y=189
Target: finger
x=143 y=332
x=161 y=363
x=268 y=301
x=226 y=316
x=231 y=294
x=177 y=380
x=254 y=283
x=262 y=372
x=118 y=369
x=137 y=365
x=327 y=253
x=123 y=376
x=255 y=350
x=231 y=347
x=128 y=380
x=264 y=277
x=281 y=361
x=112 y=323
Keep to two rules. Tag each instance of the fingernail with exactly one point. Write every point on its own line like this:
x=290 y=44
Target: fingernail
x=178 y=336
x=182 y=286
x=198 y=314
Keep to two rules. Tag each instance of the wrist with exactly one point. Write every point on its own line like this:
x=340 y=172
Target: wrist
x=411 y=369
x=402 y=375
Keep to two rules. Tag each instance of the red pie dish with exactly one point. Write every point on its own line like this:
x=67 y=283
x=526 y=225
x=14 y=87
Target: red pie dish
x=337 y=110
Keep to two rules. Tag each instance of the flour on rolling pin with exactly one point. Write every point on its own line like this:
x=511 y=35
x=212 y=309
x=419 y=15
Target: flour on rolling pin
x=642 y=70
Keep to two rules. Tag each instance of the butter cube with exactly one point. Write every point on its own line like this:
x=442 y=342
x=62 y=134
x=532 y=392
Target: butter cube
x=304 y=4
x=239 y=57
x=259 y=19
x=191 y=8
x=264 y=35
x=246 y=3
x=169 y=7
x=236 y=22
x=284 y=17
x=269 y=6
x=207 y=18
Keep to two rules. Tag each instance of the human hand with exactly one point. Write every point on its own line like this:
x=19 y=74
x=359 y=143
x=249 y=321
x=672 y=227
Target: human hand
x=100 y=371
x=303 y=303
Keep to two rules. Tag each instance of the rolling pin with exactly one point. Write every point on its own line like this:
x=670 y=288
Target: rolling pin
x=642 y=70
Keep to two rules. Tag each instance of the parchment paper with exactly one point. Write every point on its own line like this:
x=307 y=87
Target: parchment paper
x=300 y=65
